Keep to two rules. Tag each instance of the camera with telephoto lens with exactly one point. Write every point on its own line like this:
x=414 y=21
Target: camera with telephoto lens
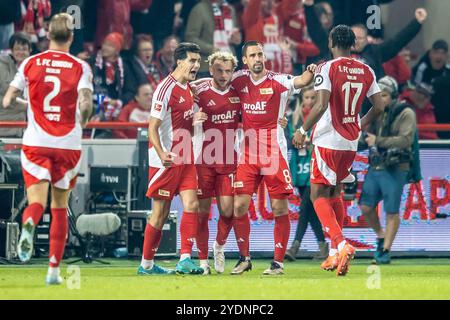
x=395 y=156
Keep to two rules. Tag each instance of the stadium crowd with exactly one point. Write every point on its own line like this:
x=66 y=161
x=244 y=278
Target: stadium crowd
x=129 y=43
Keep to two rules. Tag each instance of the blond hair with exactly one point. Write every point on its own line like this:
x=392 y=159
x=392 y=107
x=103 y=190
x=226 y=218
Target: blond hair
x=60 y=28
x=223 y=56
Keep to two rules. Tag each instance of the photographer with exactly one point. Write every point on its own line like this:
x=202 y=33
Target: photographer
x=391 y=151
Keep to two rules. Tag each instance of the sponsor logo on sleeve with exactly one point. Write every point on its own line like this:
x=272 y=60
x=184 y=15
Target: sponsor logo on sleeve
x=157 y=107
x=318 y=80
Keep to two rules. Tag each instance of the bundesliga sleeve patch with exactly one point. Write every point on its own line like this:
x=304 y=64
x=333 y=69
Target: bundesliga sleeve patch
x=157 y=107
x=318 y=80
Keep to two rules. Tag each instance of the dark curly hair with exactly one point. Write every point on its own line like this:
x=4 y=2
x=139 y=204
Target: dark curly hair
x=342 y=36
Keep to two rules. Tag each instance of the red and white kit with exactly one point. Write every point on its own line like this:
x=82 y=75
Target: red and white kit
x=52 y=141
x=215 y=142
x=264 y=148
x=173 y=104
x=335 y=136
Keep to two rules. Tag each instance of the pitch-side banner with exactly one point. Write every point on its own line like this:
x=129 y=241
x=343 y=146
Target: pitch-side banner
x=425 y=213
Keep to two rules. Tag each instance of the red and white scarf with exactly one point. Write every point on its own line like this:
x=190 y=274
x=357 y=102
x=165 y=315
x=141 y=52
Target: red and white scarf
x=223 y=25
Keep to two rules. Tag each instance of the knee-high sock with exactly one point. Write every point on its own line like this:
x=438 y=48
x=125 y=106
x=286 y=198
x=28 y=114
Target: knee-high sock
x=58 y=236
x=152 y=238
x=188 y=231
x=203 y=235
x=328 y=219
x=339 y=210
x=223 y=229
x=33 y=211
x=241 y=227
x=281 y=236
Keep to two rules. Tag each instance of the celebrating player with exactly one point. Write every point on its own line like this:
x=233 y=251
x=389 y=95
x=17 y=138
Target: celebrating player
x=263 y=95
x=342 y=84
x=172 y=170
x=219 y=114
x=59 y=90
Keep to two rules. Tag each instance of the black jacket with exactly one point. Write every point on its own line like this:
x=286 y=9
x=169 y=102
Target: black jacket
x=9 y=11
x=423 y=72
x=373 y=55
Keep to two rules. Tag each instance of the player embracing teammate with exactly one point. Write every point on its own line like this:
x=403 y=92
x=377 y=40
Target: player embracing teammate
x=342 y=84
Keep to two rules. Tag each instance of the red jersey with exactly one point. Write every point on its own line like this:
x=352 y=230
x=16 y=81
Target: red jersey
x=349 y=82
x=173 y=104
x=223 y=110
x=264 y=102
x=51 y=81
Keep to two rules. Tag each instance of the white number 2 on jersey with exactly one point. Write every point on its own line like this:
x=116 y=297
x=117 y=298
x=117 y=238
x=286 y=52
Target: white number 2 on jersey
x=347 y=88
x=49 y=109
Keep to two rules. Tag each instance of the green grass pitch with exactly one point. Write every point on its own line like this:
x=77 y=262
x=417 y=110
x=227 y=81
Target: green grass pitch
x=403 y=279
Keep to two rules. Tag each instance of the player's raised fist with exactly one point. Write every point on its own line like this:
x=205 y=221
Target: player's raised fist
x=421 y=15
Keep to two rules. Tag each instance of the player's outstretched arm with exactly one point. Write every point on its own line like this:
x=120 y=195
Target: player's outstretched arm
x=323 y=97
x=10 y=96
x=85 y=103
x=374 y=112
x=306 y=78
x=153 y=136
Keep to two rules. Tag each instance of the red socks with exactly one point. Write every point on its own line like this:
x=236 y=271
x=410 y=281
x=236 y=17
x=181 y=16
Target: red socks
x=339 y=211
x=152 y=238
x=33 y=211
x=58 y=236
x=281 y=236
x=242 y=232
x=203 y=235
x=223 y=229
x=188 y=231
x=328 y=219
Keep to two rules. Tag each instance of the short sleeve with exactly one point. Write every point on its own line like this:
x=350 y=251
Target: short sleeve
x=86 y=78
x=19 y=81
x=322 y=79
x=374 y=88
x=160 y=103
x=287 y=81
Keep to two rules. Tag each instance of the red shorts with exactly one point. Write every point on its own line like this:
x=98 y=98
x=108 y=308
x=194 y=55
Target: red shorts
x=277 y=178
x=165 y=183
x=59 y=166
x=215 y=181
x=331 y=167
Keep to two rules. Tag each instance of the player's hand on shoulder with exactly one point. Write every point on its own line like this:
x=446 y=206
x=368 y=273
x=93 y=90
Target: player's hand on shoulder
x=199 y=117
x=311 y=68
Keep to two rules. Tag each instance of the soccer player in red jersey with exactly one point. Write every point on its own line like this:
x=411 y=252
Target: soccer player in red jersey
x=263 y=95
x=59 y=90
x=217 y=121
x=171 y=162
x=342 y=84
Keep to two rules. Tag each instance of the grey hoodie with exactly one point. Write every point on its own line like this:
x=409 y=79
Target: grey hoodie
x=15 y=112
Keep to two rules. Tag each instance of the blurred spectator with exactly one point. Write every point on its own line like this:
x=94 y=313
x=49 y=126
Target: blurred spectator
x=295 y=31
x=33 y=22
x=164 y=60
x=419 y=98
x=9 y=13
x=319 y=21
x=262 y=21
x=441 y=102
x=433 y=64
x=137 y=110
x=114 y=16
x=398 y=68
x=158 y=21
x=108 y=72
x=139 y=68
x=20 y=46
x=212 y=25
